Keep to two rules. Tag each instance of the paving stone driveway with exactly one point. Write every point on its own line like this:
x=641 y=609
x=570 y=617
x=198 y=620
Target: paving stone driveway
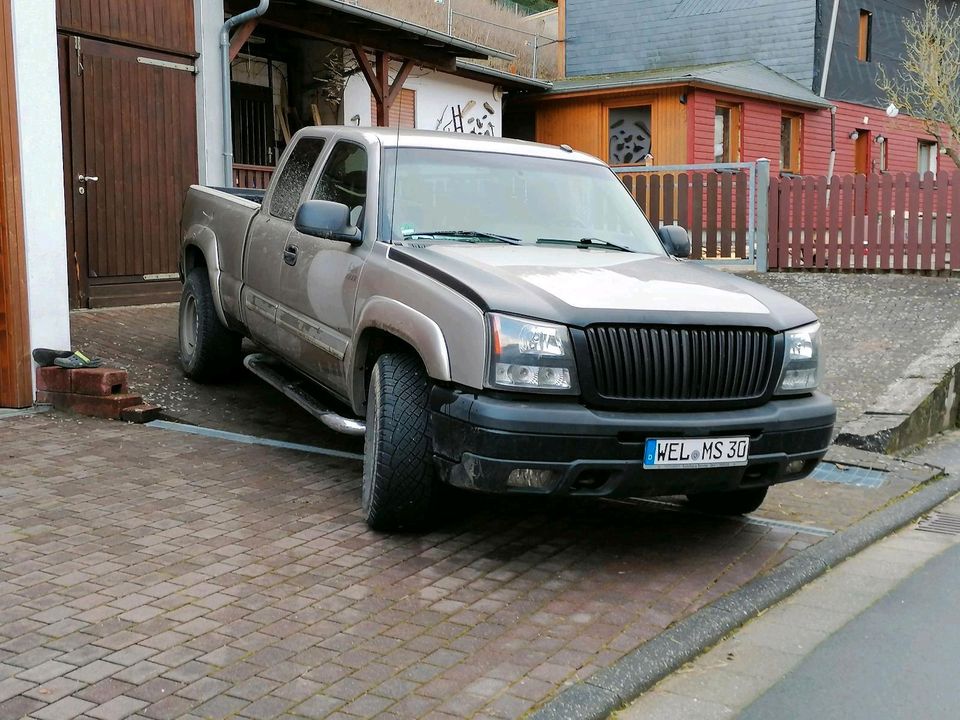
x=151 y=574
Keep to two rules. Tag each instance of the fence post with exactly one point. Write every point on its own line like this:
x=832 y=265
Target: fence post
x=761 y=226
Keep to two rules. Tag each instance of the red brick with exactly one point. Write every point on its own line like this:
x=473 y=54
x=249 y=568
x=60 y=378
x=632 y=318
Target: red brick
x=53 y=379
x=141 y=413
x=104 y=406
x=98 y=381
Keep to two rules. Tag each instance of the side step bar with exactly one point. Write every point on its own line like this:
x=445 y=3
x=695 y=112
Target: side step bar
x=299 y=389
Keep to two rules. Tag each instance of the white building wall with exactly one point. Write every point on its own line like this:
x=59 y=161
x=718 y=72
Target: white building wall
x=437 y=94
x=41 y=166
x=209 y=20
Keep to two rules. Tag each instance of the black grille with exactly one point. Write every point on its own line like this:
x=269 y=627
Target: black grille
x=677 y=363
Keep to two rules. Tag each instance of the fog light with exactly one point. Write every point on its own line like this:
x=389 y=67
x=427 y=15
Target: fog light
x=530 y=478
x=794 y=467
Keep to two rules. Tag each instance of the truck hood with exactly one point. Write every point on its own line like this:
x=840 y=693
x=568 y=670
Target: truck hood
x=583 y=286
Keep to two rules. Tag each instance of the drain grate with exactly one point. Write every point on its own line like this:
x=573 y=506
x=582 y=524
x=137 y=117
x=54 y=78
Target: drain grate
x=849 y=475
x=940 y=522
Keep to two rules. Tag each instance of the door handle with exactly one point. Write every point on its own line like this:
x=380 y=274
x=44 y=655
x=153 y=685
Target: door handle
x=88 y=178
x=290 y=254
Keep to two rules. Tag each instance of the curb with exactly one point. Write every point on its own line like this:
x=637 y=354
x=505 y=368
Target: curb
x=610 y=689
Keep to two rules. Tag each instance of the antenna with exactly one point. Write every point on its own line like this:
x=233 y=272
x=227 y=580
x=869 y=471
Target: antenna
x=396 y=161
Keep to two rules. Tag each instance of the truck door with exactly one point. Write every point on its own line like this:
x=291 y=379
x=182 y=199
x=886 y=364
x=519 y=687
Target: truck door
x=267 y=240
x=319 y=278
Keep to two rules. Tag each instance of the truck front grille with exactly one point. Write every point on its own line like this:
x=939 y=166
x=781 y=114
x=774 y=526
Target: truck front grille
x=680 y=363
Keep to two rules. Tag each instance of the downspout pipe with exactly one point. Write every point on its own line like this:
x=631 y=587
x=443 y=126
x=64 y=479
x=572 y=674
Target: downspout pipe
x=823 y=89
x=228 y=26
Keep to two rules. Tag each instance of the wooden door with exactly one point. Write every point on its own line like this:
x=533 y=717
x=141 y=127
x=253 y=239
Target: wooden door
x=130 y=153
x=862 y=153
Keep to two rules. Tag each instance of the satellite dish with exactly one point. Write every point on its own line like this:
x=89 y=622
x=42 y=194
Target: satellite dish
x=892 y=110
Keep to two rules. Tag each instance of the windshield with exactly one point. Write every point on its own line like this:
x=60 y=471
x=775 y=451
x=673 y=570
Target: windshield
x=467 y=196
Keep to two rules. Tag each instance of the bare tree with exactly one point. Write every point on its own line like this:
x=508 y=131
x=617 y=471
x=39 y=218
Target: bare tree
x=927 y=85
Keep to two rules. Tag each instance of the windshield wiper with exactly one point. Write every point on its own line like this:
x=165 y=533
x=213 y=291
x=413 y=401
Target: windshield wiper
x=470 y=234
x=585 y=242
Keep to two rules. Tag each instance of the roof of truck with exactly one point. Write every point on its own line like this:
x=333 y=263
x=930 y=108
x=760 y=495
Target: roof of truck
x=392 y=137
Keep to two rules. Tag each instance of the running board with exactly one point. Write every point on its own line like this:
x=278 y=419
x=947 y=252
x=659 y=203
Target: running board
x=298 y=389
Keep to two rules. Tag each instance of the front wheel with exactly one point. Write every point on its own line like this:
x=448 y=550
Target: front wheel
x=398 y=489
x=734 y=502
x=208 y=351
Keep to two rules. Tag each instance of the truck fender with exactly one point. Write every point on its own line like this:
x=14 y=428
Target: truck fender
x=204 y=240
x=406 y=324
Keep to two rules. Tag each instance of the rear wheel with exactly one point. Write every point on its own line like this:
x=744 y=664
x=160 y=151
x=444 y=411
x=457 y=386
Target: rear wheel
x=399 y=487
x=209 y=352
x=734 y=502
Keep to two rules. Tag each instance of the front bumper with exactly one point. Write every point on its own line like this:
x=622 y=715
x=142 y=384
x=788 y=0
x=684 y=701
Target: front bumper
x=479 y=440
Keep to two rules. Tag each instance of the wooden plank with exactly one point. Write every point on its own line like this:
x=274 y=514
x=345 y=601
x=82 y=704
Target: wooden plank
x=711 y=212
x=773 y=224
x=954 y=249
x=724 y=211
x=696 y=207
x=16 y=387
x=885 y=245
x=872 y=219
x=925 y=259
x=640 y=192
x=943 y=213
x=240 y=37
x=669 y=216
x=167 y=26
x=900 y=189
x=809 y=222
x=847 y=244
x=913 y=221
x=835 y=223
x=822 y=221
x=796 y=222
x=683 y=200
x=859 y=208
x=740 y=219
x=653 y=209
x=783 y=222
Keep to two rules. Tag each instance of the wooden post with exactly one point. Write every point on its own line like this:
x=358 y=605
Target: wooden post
x=16 y=386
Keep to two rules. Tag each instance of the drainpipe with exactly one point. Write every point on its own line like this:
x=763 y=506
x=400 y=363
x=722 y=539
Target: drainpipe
x=225 y=62
x=823 y=89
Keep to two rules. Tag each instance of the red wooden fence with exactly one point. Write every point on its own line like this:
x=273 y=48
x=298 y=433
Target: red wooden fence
x=873 y=222
x=254 y=177
x=711 y=205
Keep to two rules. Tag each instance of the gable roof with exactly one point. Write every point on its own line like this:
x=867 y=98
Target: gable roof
x=746 y=77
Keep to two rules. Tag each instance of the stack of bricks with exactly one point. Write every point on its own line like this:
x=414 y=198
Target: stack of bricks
x=98 y=392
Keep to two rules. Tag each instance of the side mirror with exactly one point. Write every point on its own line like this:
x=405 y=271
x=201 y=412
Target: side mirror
x=675 y=240
x=326 y=219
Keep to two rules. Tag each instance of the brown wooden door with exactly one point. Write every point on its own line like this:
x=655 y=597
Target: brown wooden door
x=862 y=153
x=130 y=153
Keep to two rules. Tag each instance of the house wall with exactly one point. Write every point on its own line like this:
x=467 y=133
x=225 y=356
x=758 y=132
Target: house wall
x=436 y=93
x=623 y=35
x=582 y=122
x=41 y=166
x=208 y=21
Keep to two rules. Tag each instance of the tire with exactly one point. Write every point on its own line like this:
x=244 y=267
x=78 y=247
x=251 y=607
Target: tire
x=399 y=486
x=734 y=502
x=209 y=352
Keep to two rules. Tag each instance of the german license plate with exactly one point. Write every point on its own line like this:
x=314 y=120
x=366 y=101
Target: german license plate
x=675 y=453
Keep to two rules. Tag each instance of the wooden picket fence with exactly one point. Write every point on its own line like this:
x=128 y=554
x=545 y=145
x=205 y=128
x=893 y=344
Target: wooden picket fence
x=713 y=206
x=898 y=222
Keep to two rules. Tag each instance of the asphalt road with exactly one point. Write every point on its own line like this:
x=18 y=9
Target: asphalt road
x=898 y=659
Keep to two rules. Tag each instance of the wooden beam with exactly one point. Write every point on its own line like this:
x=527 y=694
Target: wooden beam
x=368 y=72
x=241 y=36
x=398 y=81
x=16 y=385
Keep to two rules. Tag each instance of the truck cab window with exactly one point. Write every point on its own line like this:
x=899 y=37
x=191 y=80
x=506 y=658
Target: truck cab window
x=344 y=179
x=293 y=177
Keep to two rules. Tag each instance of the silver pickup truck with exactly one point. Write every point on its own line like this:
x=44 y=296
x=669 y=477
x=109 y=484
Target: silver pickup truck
x=499 y=316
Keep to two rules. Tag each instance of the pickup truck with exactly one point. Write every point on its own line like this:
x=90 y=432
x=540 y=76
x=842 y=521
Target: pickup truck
x=499 y=316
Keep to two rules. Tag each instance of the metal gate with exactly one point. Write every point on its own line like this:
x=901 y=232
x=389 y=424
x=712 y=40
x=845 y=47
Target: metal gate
x=723 y=206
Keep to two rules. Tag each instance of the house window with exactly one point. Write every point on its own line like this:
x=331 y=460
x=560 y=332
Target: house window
x=881 y=142
x=864 y=38
x=629 y=138
x=403 y=112
x=926 y=157
x=726 y=133
x=790 y=136
x=861 y=152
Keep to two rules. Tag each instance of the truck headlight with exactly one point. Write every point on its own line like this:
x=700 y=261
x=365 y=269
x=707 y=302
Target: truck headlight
x=531 y=355
x=802 y=361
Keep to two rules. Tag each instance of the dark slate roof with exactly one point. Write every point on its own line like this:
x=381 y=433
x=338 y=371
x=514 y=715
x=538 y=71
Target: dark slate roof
x=746 y=78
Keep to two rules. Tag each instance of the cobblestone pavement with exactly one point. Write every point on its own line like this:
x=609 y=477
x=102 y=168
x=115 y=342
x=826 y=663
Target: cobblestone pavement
x=147 y=573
